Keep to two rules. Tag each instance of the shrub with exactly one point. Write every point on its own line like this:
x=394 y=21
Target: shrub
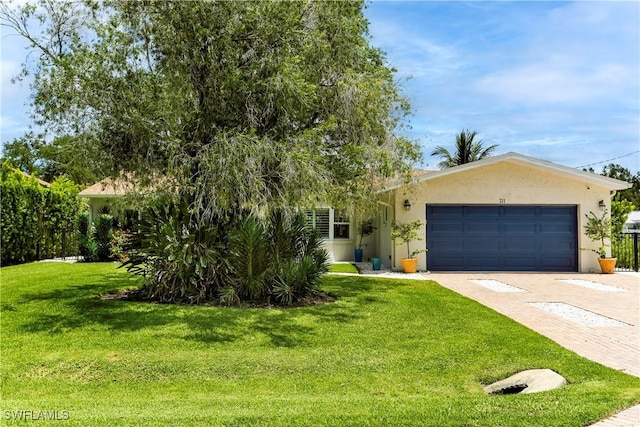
x=86 y=245
x=230 y=259
x=36 y=221
x=178 y=254
x=118 y=244
x=103 y=235
x=21 y=216
x=251 y=261
x=299 y=268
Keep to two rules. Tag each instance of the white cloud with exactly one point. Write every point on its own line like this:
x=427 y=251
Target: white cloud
x=549 y=83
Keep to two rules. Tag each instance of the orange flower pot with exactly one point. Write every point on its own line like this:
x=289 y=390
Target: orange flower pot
x=607 y=265
x=409 y=265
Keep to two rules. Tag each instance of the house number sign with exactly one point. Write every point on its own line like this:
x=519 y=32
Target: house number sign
x=503 y=201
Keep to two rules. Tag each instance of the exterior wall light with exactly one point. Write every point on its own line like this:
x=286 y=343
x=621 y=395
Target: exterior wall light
x=407 y=205
x=601 y=205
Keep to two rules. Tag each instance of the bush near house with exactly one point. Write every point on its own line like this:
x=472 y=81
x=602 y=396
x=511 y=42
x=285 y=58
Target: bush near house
x=184 y=258
x=37 y=222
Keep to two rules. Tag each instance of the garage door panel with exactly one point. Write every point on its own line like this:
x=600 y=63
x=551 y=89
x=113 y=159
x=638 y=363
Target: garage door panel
x=557 y=228
x=481 y=211
x=520 y=247
x=517 y=212
x=447 y=227
x=482 y=228
x=556 y=211
x=444 y=263
x=556 y=244
x=519 y=228
x=498 y=237
x=446 y=245
x=446 y=211
x=481 y=245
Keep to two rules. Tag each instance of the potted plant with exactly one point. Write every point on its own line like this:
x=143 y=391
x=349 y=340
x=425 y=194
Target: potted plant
x=598 y=229
x=406 y=233
x=365 y=229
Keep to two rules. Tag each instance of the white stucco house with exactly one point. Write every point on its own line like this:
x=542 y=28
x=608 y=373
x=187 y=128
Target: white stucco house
x=504 y=213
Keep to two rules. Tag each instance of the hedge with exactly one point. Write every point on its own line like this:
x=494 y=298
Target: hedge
x=36 y=222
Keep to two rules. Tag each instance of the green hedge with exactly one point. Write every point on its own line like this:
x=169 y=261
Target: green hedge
x=36 y=222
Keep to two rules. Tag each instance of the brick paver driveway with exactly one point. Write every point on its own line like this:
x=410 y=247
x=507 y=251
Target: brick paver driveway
x=615 y=346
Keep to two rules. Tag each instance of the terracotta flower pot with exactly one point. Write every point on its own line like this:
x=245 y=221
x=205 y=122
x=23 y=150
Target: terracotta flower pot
x=409 y=265
x=607 y=265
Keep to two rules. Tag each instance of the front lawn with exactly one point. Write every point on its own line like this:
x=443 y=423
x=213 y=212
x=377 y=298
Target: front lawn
x=388 y=352
x=343 y=267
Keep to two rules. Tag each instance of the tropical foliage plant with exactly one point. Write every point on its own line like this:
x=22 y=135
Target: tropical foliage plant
x=185 y=258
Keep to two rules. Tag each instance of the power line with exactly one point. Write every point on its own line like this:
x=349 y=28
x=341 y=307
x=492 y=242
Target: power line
x=609 y=160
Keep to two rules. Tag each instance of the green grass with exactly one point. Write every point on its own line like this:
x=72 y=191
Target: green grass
x=388 y=352
x=343 y=268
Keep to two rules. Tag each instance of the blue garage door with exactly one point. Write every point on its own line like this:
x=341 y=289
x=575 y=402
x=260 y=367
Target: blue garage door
x=502 y=238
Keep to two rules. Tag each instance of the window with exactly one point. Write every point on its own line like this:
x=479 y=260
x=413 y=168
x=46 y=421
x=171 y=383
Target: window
x=332 y=224
x=340 y=224
x=319 y=219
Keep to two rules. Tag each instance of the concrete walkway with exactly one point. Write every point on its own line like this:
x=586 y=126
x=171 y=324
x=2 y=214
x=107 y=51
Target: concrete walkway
x=615 y=346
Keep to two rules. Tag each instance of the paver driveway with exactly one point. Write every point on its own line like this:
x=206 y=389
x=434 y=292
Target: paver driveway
x=615 y=346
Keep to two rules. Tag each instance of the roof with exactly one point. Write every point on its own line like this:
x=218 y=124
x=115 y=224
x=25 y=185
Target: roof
x=511 y=157
x=399 y=182
x=40 y=181
x=633 y=217
x=108 y=187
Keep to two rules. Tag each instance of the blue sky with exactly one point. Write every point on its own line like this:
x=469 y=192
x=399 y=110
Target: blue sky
x=554 y=80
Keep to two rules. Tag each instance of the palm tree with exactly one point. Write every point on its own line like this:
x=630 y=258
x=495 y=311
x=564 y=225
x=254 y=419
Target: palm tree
x=467 y=151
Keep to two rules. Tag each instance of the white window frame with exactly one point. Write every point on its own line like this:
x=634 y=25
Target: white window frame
x=332 y=223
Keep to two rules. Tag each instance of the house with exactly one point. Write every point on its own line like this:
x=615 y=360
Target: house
x=504 y=213
x=107 y=193
x=633 y=222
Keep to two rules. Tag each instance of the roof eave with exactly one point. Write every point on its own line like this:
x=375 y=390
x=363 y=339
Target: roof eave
x=588 y=177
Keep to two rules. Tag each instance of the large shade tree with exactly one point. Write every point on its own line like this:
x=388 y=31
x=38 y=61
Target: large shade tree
x=63 y=156
x=242 y=105
x=467 y=150
x=241 y=110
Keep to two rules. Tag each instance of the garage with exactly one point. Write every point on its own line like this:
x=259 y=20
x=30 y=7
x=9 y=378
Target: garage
x=502 y=237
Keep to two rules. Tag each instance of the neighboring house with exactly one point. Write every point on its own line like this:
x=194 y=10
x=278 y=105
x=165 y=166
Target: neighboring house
x=105 y=193
x=40 y=181
x=504 y=213
x=633 y=222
